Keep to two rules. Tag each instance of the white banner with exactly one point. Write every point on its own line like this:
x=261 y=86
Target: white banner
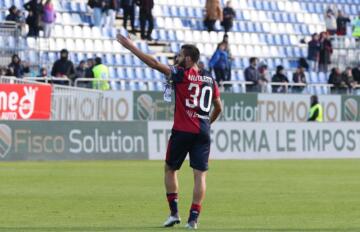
x=295 y=108
x=269 y=140
x=117 y=106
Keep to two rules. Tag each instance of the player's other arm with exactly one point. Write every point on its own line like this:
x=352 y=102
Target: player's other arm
x=147 y=59
x=216 y=111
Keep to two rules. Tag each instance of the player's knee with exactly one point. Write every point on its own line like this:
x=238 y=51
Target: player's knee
x=169 y=169
x=200 y=175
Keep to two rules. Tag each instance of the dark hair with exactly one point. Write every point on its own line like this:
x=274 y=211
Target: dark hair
x=64 y=51
x=192 y=51
x=252 y=59
x=279 y=68
x=12 y=8
x=98 y=60
x=15 y=56
x=315 y=99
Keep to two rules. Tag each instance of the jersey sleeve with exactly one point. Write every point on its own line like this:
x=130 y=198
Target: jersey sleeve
x=177 y=74
x=216 y=91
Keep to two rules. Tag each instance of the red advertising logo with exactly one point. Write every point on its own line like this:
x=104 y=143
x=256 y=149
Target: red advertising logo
x=23 y=101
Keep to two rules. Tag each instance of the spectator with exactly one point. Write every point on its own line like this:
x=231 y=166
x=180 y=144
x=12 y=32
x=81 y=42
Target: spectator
x=146 y=16
x=43 y=72
x=99 y=9
x=219 y=62
x=35 y=9
x=356 y=29
x=90 y=63
x=230 y=57
x=330 y=21
x=356 y=73
x=81 y=73
x=17 y=68
x=203 y=69
x=264 y=77
x=4 y=71
x=112 y=7
x=129 y=12
x=13 y=14
x=213 y=13
x=252 y=74
x=299 y=77
x=63 y=68
x=16 y=15
x=348 y=78
x=314 y=52
x=341 y=23
x=325 y=52
x=303 y=63
x=81 y=69
x=101 y=73
x=316 y=110
x=48 y=18
x=280 y=77
x=335 y=78
x=228 y=17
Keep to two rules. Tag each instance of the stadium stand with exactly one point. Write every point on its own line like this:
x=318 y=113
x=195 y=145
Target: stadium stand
x=269 y=30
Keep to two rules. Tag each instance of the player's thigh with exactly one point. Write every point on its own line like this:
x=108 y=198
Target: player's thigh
x=199 y=153
x=179 y=145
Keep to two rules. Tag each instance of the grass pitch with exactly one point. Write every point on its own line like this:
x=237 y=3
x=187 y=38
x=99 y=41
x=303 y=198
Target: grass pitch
x=279 y=195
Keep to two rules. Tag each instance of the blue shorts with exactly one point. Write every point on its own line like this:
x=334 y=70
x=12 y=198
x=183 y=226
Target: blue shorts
x=182 y=143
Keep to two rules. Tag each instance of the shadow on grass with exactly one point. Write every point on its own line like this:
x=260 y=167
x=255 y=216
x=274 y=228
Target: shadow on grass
x=114 y=228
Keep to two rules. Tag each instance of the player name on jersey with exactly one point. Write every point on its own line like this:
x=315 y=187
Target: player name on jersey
x=200 y=78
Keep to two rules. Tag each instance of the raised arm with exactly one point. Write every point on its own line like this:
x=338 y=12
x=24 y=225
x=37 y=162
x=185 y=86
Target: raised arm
x=147 y=59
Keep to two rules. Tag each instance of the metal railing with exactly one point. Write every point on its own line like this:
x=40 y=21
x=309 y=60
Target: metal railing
x=228 y=86
x=118 y=83
x=50 y=80
x=72 y=103
x=298 y=88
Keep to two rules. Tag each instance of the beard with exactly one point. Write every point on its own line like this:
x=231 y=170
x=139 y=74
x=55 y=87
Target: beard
x=180 y=63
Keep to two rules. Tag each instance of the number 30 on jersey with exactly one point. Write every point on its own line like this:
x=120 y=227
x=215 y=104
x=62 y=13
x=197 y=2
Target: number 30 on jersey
x=205 y=94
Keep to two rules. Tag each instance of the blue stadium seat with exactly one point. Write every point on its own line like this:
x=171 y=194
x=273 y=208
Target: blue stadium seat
x=182 y=12
x=139 y=73
x=278 y=40
x=127 y=60
x=157 y=75
x=162 y=35
x=174 y=11
x=270 y=39
x=129 y=73
x=240 y=75
x=109 y=59
x=313 y=77
x=112 y=72
x=322 y=77
x=289 y=51
x=237 y=63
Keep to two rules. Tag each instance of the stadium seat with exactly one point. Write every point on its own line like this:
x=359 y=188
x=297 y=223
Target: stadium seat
x=313 y=77
x=322 y=77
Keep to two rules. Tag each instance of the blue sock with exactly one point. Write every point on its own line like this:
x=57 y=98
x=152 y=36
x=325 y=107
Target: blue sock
x=194 y=212
x=173 y=203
